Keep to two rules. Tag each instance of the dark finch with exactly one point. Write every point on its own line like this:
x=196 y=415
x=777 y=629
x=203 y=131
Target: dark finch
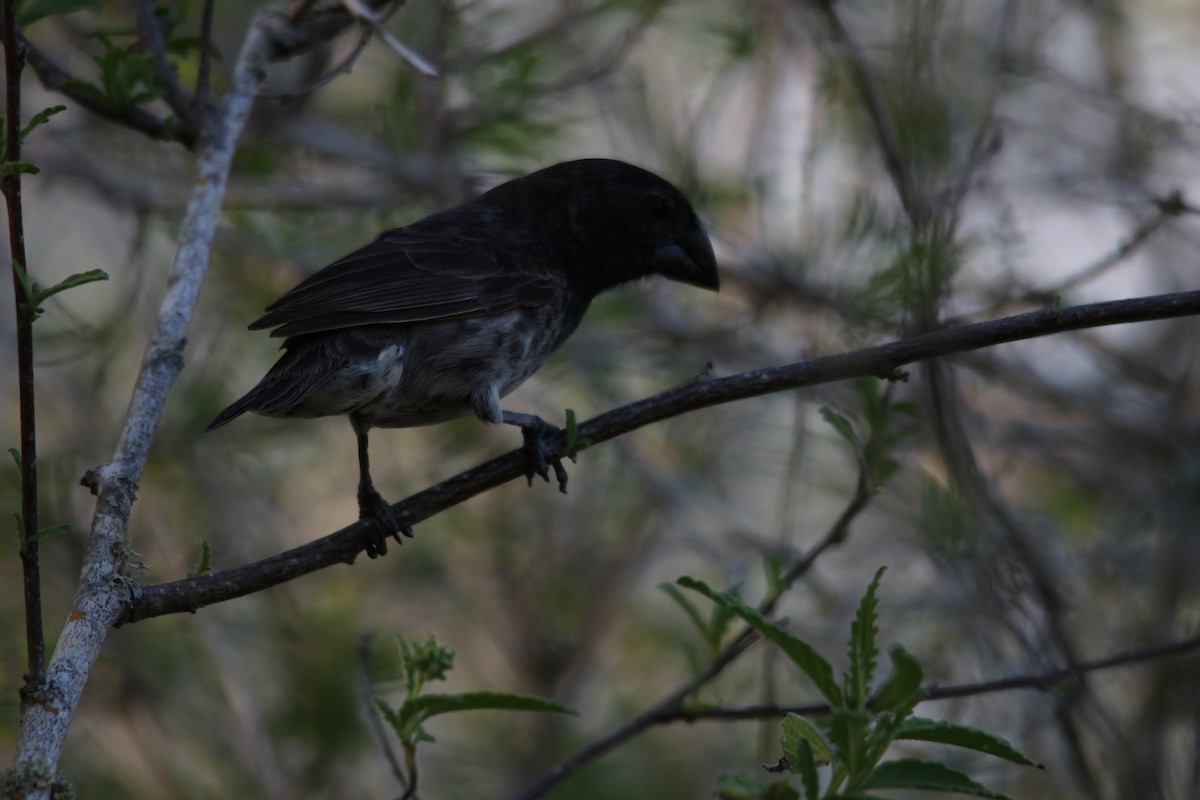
x=445 y=316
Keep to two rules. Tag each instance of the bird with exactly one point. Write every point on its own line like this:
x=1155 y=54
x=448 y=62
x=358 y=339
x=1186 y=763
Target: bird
x=445 y=316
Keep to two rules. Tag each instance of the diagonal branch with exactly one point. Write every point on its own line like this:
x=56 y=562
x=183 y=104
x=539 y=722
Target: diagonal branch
x=189 y=594
x=176 y=96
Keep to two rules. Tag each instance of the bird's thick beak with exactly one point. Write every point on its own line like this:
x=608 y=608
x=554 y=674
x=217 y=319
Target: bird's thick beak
x=689 y=259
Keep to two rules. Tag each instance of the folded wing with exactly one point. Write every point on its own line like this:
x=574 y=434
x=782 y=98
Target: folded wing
x=414 y=274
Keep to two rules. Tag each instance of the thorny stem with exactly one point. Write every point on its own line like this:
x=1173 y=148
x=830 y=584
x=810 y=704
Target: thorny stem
x=35 y=643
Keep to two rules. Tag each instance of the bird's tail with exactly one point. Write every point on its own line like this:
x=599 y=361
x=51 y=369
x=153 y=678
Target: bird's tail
x=302 y=369
x=234 y=411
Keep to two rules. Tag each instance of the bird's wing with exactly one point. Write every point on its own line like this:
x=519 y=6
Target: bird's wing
x=408 y=275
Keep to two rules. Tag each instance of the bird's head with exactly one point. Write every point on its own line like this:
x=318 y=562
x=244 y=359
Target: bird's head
x=626 y=223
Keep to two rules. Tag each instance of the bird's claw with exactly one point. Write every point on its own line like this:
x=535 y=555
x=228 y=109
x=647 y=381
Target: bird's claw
x=378 y=512
x=541 y=439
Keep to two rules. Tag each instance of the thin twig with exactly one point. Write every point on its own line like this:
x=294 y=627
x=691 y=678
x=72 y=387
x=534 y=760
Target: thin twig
x=10 y=183
x=367 y=16
x=203 y=70
x=373 y=718
x=347 y=63
x=1173 y=205
x=1042 y=681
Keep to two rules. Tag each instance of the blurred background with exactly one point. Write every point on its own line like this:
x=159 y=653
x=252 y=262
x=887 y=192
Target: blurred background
x=1047 y=509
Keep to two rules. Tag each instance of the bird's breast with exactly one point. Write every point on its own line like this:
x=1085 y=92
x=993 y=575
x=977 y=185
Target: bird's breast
x=441 y=369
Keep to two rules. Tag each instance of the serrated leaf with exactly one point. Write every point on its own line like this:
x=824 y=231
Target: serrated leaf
x=389 y=714
x=905 y=680
x=804 y=748
x=941 y=732
x=802 y=654
x=862 y=648
x=797 y=729
x=910 y=773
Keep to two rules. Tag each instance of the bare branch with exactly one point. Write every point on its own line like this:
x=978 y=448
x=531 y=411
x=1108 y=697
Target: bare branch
x=367 y=17
x=189 y=594
x=106 y=578
x=176 y=96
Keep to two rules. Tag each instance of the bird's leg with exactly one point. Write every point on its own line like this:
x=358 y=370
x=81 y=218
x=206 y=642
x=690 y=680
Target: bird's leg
x=372 y=506
x=541 y=440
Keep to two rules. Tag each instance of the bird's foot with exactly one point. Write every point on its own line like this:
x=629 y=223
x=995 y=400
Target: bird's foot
x=378 y=512
x=541 y=439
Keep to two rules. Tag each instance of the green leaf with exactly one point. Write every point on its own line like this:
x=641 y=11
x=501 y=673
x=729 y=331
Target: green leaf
x=32 y=11
x=846 y=430
x=804 y=747
x=30 y=288
x=389 y=715
x=574 y=444
x=689 y=608
x=802 y=654
x=48 y=531
x=941 y=732
x=71 y=281
x=430 y=705
x=16 y=456
x=910 y=773
x=848 y=730
x=205 y=564
x=23 y=167
x=796 y=731
x=862 y=648
x=40 y=118
x=424 y=660
x=897 y=691
x=417 y=710
x=773 y=571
